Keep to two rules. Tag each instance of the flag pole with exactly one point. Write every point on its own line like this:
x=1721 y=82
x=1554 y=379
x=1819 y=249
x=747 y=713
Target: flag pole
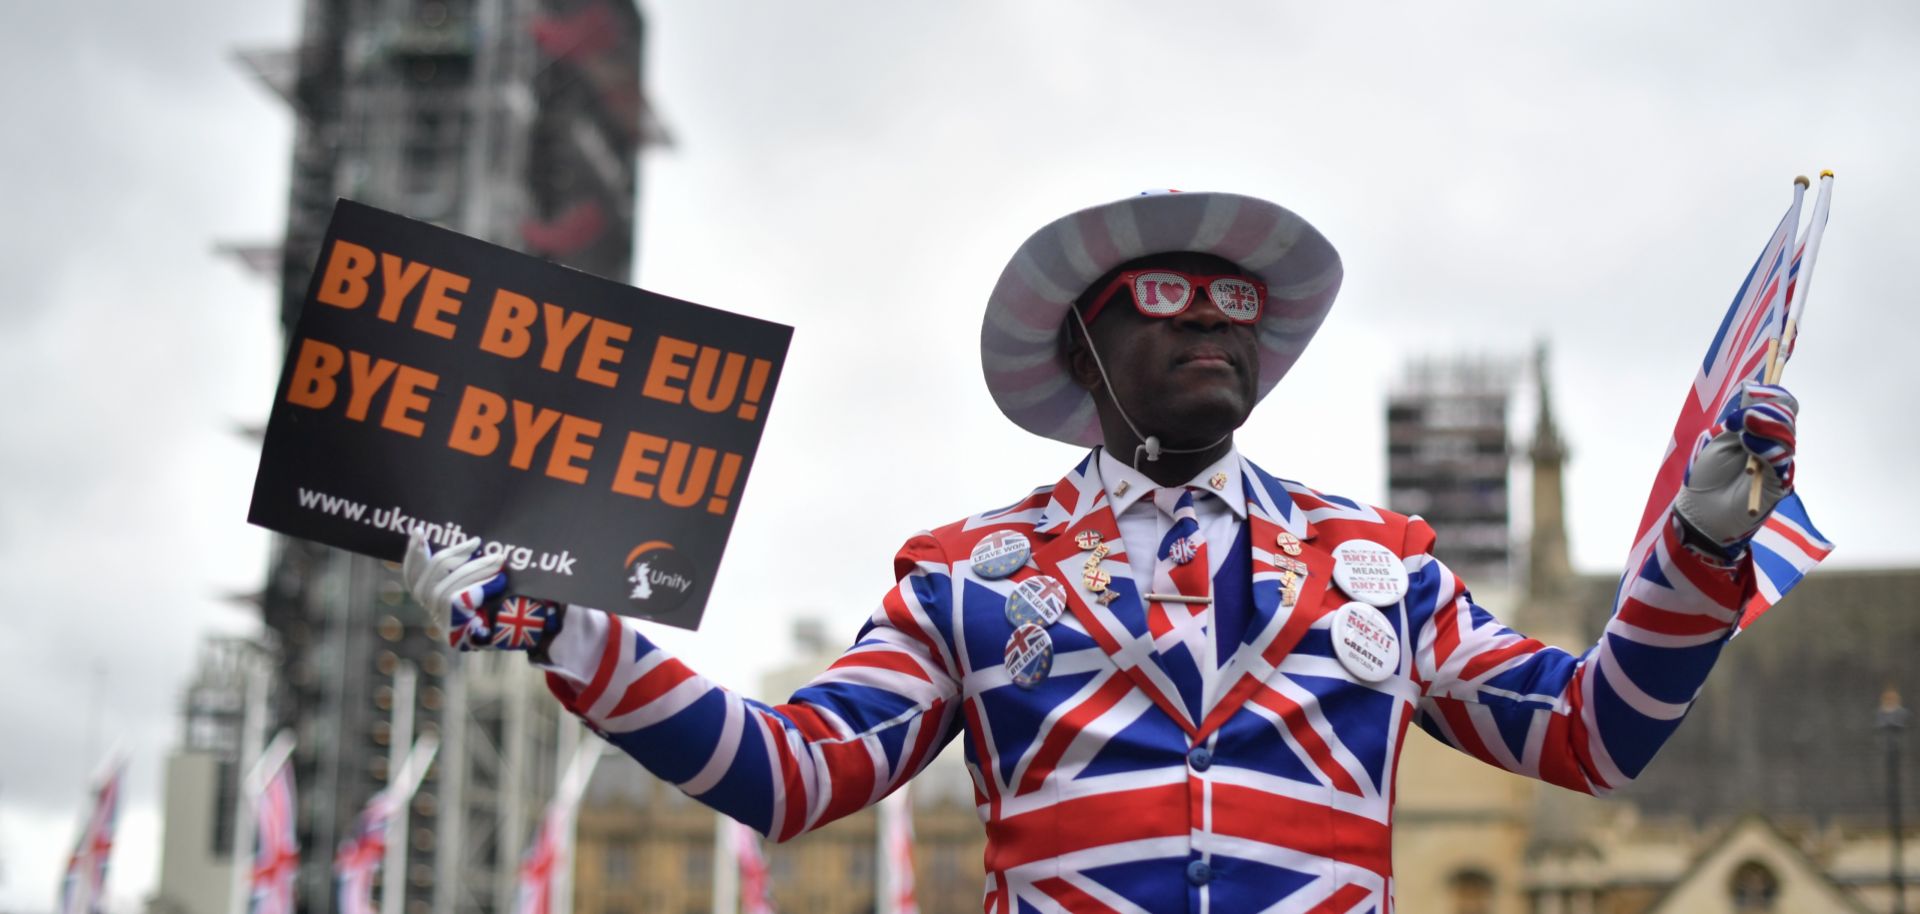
x=1779 y=350
x=1788 y=255
x=1816 y=228
x=252 y=733
x=883 y=878
x=584 y=756
x=393 y=875
x=726 y=867
x=566 y=743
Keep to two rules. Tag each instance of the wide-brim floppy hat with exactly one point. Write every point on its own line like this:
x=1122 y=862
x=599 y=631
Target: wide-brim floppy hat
x=1020 y=338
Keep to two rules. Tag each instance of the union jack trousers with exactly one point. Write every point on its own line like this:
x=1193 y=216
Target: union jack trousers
x=1102 y=788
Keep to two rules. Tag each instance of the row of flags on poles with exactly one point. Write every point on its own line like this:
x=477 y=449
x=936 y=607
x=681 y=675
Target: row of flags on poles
x=895 y=852
x=275 y=865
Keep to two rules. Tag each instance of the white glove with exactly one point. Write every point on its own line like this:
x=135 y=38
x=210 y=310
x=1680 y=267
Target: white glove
x=1713 y=500
x=460 y=580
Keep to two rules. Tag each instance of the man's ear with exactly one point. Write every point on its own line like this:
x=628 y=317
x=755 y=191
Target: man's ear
x=1079 y=357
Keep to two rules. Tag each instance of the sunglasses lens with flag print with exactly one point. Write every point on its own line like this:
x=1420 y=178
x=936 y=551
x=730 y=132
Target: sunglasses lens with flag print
x=1165 y=293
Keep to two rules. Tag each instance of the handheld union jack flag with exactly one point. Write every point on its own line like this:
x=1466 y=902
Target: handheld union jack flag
x=1787 y=545
x=359 y=857
x=276 y=845
x=83 y=890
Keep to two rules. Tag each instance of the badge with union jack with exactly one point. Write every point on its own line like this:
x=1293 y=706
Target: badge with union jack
x=1182 y=550
x=520 y=622
x=1029 y=655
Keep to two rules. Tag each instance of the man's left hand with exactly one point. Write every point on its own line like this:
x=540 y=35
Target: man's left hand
x=1759 y=425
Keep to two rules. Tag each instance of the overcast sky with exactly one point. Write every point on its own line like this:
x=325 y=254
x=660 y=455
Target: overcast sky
x=1597 y=175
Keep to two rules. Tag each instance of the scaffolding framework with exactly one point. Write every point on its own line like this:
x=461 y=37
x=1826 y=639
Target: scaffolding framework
x=515 y=121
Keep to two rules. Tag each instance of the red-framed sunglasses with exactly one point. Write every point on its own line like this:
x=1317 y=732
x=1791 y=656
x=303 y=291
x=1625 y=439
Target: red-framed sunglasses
x=1164 y=293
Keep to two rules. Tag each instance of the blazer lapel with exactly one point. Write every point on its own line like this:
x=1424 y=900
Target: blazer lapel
x=1119 y=626
x=1275 y=525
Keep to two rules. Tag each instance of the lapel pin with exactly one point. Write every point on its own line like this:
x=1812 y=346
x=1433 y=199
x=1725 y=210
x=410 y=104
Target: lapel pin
x=1097 y=580
x=1218 y=482
x=1087 y=539
x=1289 y=543
x=1108 y=596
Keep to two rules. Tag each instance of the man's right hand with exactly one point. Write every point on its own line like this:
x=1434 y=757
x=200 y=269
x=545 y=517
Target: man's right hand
x=460 y=581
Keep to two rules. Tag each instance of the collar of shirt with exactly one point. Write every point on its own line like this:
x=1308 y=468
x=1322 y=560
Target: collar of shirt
x=1126 y=485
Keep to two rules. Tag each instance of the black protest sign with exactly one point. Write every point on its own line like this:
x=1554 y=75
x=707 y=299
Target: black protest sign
x=598 y=434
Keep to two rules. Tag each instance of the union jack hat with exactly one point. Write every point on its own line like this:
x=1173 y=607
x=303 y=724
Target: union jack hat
x=1019 y=340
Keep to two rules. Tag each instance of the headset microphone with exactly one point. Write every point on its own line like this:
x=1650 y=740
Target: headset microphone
x=1149 y=444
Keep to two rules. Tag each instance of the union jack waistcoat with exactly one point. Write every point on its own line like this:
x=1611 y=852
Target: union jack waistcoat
x=1101 y=788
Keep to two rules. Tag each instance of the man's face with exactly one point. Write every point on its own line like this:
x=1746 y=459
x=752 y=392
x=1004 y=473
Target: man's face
x=1189 y=378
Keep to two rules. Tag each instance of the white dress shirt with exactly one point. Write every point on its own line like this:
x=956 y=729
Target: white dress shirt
x=1220 y=512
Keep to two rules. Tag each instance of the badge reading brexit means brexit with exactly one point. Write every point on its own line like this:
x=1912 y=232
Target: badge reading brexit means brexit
x=1369 y=572
x=1365 y=642
x=1000 y=554
x=1029 y=655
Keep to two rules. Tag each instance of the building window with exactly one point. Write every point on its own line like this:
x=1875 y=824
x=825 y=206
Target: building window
x=225 y=779
x=699 y=865
x=1754 y=887
x=619 y=863
x=1472 y=892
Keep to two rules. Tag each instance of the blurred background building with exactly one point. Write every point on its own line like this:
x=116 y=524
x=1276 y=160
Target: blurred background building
x=518 y=122
x=201 y=779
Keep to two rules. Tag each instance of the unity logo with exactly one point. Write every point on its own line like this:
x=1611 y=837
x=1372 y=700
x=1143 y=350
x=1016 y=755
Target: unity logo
x=661 y=578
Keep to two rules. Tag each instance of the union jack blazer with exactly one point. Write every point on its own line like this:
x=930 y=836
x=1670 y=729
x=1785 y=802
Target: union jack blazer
x=1110 y=786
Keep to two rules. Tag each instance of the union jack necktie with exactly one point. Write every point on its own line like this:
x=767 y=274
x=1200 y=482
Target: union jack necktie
x=1181 y=569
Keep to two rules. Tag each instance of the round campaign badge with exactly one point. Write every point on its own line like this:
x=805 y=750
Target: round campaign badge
x=1029 y=655
x=1365 y=643
x=1000 y=554
x=1038 y=600
x=1369 y=572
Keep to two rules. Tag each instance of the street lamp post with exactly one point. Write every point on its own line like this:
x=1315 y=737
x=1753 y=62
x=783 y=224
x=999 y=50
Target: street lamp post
x=1893 y=722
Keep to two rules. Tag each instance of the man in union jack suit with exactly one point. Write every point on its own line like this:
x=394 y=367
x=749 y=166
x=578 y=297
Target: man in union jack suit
x=1180 y=681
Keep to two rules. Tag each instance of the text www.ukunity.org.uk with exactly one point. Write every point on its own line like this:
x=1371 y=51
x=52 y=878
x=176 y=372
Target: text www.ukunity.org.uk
x=441 y=534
